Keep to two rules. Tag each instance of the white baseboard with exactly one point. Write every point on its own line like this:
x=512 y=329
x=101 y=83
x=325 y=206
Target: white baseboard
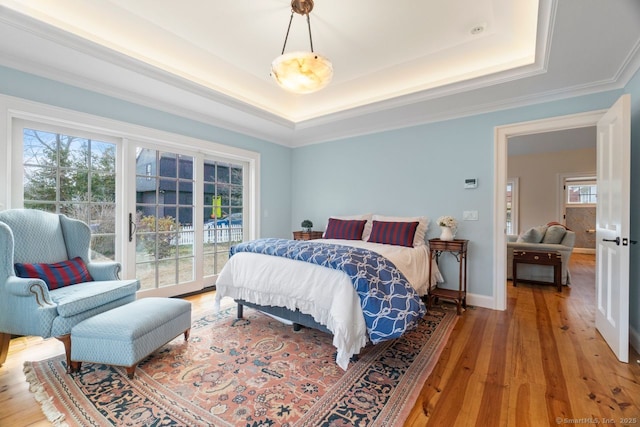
x=584 y=251
x=481 y=301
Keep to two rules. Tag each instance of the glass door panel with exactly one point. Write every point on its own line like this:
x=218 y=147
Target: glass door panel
x=164 y=219
x=224 y=205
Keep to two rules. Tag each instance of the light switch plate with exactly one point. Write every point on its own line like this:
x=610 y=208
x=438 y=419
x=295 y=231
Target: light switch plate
x=470 y=215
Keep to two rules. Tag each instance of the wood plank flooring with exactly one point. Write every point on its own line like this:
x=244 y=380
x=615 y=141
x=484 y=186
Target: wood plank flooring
x=538 y=361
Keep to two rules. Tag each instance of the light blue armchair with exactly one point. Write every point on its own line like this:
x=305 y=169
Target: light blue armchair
x=27 y=306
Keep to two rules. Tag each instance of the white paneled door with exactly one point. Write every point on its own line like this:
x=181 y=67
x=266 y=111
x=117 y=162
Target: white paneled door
x=612 y=227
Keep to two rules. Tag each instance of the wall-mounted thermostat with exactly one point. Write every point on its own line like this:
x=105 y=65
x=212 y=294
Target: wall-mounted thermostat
x=471 y=183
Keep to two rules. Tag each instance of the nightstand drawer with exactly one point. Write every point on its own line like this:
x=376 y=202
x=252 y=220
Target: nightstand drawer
x=456 y=245
x=307 y=235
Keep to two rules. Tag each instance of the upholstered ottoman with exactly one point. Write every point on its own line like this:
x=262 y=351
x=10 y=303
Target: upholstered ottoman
x=129 y=333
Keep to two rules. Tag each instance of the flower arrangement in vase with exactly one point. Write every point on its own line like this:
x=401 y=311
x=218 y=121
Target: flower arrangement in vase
x=448 y=226
x=307 y=225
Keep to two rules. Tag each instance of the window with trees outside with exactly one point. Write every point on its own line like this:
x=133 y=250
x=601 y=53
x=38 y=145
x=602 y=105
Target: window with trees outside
x=74 y=176
x=166 y=206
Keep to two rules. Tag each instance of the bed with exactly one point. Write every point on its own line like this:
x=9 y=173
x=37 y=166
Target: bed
x=294 y=281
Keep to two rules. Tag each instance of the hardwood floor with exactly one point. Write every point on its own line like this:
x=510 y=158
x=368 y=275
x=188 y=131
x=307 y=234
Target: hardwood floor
x=538 y=361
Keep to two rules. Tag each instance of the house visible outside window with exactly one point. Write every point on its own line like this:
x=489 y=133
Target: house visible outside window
x=166 y=206
x=74 y=176
x=582 y=193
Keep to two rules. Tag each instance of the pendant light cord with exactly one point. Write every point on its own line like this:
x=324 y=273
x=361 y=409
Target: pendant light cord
x=286 y=37
x=309 y=25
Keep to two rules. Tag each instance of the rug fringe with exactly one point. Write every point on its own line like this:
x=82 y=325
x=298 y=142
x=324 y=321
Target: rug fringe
x=46 y=402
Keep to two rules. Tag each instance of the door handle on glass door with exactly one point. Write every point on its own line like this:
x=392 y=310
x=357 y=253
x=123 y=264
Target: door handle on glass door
x=132 y=227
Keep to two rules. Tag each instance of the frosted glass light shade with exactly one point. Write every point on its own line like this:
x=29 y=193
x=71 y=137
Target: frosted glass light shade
x=302 y=72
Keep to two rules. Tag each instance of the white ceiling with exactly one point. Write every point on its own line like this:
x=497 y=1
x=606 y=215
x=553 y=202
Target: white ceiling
x=545 y=142
x=396 y=63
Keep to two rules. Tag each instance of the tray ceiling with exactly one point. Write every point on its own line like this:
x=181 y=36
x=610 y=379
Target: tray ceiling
x=393 y=61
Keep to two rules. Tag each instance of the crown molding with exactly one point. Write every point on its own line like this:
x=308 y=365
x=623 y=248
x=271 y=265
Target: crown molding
x=158 y=88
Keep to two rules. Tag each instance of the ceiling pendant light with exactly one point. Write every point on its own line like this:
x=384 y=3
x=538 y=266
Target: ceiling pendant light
x=301 y=72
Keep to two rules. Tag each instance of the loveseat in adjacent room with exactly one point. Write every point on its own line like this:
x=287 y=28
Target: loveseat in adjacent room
x=545 y=238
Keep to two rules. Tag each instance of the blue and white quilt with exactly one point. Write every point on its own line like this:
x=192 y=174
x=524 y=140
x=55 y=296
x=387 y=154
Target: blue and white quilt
x=389 y=303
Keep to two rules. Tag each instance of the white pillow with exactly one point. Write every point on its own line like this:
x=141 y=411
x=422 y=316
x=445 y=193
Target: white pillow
x=421 y=231
x=367 y=227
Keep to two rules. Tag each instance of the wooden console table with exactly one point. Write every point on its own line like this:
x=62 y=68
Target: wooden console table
x=457 y=248
x=553 y=259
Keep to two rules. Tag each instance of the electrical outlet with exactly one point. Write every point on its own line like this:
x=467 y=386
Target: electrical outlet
x=470 y=215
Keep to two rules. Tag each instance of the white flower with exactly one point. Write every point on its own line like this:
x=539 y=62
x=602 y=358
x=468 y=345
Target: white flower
x=447 y=221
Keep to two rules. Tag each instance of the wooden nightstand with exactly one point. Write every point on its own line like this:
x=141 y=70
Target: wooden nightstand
x=458 y=248
x=307 y=235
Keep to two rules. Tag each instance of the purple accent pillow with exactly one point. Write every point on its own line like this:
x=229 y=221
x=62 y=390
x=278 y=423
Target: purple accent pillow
x=345 y=229
x=56 y=275
x=393 y=233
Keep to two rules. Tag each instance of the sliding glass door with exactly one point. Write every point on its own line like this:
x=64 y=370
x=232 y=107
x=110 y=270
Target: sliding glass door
x=167 y=207
x=189 y=210
x=165 y=254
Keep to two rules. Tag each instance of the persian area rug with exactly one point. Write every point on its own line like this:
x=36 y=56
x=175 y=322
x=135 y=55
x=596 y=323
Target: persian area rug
x=254 y=372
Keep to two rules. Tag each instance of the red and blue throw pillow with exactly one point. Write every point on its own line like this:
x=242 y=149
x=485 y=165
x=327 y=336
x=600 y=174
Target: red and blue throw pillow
x=393 y=233
x=345 y=229
x=56 y=275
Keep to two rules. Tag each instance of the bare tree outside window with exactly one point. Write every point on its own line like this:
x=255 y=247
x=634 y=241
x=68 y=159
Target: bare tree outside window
x=74 y=176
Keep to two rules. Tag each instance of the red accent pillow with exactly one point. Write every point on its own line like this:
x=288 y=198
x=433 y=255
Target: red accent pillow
x=56 y=275
x=557 y=223
x=345 y=229
x=393 y=233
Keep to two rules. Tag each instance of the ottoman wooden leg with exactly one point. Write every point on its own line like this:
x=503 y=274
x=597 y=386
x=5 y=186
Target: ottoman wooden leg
x=131 y=371
x=186 y=334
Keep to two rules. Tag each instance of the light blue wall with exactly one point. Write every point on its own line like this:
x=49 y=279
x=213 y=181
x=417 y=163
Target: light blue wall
x=413 y=171
x=420 y=171
x=275 y=160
